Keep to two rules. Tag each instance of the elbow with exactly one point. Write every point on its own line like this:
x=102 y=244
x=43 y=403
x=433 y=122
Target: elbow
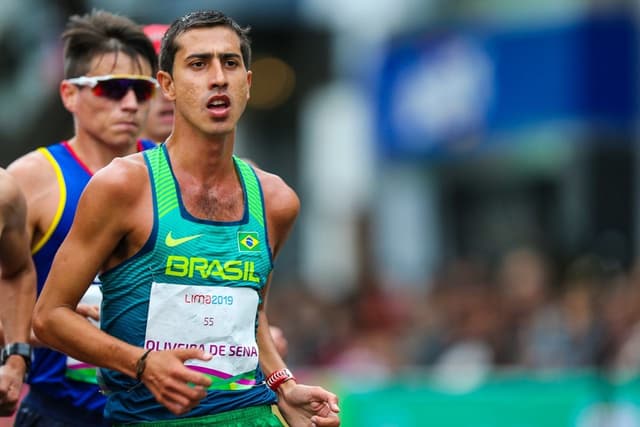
x=39 y=323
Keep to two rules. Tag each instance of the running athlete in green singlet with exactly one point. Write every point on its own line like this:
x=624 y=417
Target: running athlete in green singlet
x=184 y=237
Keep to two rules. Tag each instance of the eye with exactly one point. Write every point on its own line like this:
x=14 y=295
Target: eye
x=231 y=63
x=197 y=64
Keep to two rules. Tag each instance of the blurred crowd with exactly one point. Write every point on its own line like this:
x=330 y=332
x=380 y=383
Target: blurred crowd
x=521 y=312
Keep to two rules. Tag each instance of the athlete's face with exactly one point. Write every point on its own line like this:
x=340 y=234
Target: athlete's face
x=116 y=123
x=159 y=122
x=210 y=84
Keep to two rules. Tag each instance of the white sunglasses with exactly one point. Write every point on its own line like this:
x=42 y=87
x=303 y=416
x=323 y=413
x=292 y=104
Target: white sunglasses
x=116 y=86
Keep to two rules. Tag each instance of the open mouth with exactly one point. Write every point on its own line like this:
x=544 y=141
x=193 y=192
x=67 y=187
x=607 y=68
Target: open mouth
x=219 y=107
x=218 y=103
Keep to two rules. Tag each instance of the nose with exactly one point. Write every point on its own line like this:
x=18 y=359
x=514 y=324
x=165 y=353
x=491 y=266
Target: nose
x=129 y=100
x=218 y=76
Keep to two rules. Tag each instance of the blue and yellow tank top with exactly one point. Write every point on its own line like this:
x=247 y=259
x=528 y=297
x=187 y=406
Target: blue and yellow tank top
x=49 y=369
x=195 y=283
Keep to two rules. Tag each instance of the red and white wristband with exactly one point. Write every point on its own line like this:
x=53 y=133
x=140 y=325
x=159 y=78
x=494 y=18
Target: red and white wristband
x=276 y=378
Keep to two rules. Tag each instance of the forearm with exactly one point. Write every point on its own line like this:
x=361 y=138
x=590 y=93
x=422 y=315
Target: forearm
x=270 y=359
x=67 y=331
x=18 y=299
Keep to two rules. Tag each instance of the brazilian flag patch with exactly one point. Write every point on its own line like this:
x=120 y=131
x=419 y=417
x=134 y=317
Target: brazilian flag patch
x=248 y=241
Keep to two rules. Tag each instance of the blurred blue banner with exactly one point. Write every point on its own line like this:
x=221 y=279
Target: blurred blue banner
x=440 y=91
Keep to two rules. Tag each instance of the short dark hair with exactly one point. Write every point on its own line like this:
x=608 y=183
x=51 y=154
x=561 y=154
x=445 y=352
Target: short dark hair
x=201 y=19
x=100 y=32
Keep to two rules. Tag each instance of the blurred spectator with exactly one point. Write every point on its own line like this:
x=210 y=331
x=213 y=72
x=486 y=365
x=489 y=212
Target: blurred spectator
x=621 y=317
x=530 y=315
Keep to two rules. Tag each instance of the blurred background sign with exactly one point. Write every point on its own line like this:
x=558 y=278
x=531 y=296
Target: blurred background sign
x=443 y=92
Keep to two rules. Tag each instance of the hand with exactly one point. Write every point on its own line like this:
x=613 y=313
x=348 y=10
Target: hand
x=11 y=376
x=89 y=311
x=174 y=385
x=304 y=405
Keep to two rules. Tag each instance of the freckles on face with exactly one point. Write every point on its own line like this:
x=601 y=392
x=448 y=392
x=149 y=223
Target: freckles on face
x=209 y=73
x=189 y=96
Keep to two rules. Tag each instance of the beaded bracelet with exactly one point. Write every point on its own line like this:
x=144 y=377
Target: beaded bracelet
x=278 y=377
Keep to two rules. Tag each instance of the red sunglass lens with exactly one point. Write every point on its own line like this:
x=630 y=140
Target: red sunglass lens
x=116 y=89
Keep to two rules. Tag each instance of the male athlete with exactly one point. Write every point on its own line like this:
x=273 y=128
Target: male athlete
x=109 y=64
x=185 y=235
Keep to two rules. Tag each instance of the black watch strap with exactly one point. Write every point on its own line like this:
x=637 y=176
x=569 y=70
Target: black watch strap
x=18 y=349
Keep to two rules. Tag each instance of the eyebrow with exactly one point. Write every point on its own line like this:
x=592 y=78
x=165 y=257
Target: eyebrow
x=208 y=56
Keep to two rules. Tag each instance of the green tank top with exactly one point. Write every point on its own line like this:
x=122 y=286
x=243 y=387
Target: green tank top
x=195 y=283
x=200 y=251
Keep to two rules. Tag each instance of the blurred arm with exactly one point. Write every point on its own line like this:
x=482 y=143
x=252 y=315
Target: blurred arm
x=17 y=274
x=17 y=287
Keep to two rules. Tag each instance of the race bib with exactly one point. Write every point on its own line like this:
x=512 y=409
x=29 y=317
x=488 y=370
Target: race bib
x=219 y=320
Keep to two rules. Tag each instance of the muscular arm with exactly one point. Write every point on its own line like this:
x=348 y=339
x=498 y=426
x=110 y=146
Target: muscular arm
x=108 y=228
x=17 y=275
x=100 y=224
x=300 y=404
x=282 y=207
x=37 y=181
x=17 y=287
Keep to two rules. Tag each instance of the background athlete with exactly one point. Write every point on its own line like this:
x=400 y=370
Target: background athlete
x=159 y=122
x=17 y=276
x=109 y=64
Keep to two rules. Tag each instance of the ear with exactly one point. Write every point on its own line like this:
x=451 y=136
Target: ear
x=69 y=94
x=249 y=80
x=166 y=85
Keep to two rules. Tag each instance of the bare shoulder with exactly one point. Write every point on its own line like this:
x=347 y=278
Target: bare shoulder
x=281 y=207
x=121 y=180
x=281 y=201
x=33 y=171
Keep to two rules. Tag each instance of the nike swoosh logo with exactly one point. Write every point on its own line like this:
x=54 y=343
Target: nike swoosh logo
x=171 y=242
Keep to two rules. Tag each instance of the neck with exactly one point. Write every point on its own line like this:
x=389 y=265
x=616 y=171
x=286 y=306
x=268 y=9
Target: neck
x=203 y=157
x=97 y=155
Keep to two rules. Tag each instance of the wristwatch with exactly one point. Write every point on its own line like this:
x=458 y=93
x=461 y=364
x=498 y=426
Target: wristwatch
x=19 y=349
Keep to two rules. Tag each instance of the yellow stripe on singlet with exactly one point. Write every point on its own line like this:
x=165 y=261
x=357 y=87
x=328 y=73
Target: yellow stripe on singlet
x=61 y=202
